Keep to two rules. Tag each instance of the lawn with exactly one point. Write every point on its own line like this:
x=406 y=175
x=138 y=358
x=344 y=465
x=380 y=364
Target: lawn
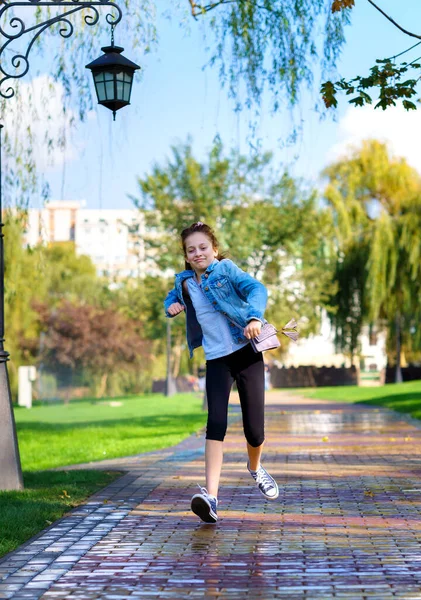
x=82 y=431
x=90 y=430
x=47 y=496
x=402 y=397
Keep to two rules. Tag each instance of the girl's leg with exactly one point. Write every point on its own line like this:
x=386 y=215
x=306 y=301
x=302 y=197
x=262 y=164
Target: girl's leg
x=250 y=377
x=218 y=386
x=213 y=465
x=254 y=456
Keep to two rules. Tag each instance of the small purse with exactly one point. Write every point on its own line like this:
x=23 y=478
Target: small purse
x=267 y=338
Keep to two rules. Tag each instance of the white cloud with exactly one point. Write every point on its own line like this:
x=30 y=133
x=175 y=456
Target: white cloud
x=401 y=129
x=39 y=105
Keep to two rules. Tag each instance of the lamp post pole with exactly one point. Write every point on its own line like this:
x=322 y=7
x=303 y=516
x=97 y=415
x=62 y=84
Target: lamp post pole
x=13 y=27
x=10 y=469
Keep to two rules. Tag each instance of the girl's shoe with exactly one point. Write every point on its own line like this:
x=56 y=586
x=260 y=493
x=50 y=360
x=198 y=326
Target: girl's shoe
x=204 y=506
x=265 y=482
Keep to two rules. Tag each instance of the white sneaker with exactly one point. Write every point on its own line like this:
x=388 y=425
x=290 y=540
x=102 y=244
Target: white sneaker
x=204 y=506
x=265 y=482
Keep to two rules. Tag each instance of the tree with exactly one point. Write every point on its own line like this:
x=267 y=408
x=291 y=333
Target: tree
x=69 y=275
x=394 y=82
x=376 y=204
x=101 y=342
x=273 y=45
x=23 y=279
x=40 y=274
x=270 y=225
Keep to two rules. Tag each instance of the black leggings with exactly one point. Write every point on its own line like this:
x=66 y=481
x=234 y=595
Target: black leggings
x=246 y=368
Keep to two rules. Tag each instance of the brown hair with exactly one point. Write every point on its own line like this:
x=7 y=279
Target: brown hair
x=200 y=227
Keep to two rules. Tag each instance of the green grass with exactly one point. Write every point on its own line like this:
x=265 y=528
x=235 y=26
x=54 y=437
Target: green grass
x=84 y=431
x=402 y=397
x=47 y=497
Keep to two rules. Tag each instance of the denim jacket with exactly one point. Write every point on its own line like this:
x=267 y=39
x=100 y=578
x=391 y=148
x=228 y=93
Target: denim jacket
x=234 y=293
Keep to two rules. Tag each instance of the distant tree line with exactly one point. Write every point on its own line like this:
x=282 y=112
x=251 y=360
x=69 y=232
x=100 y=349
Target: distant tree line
x=353 y=251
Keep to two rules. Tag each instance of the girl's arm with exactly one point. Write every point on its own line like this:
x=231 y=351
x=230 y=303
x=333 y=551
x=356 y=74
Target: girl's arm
x=250 y=289
x=172 y=298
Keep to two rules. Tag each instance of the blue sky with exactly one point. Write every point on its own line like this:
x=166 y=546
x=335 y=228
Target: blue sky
x=176 y=98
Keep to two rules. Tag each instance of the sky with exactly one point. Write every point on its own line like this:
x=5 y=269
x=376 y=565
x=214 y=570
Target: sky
x=175 y=98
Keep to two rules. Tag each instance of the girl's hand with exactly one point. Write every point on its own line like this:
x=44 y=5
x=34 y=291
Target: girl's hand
x=175 y=309
x=252 y=329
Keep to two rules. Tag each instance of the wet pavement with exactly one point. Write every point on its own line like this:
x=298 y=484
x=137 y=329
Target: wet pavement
x=346 y=523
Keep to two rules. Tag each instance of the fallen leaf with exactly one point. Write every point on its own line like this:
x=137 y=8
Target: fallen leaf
x=325 y=438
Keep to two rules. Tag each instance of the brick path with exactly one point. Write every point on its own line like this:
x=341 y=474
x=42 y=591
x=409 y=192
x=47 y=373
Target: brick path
x=346 y=524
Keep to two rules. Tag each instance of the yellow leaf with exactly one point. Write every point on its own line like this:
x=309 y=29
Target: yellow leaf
x=325 y=438
x=369 y=493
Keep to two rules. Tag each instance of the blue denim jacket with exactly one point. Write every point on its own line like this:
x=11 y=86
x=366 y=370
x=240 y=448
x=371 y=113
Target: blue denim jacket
x=234 y=293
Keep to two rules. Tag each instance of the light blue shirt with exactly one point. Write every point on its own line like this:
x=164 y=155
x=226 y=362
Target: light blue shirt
x=217 y=337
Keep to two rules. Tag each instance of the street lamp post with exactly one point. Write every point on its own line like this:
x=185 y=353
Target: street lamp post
x=116 y=77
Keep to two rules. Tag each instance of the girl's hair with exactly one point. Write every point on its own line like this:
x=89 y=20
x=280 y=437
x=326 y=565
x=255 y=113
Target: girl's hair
x=201 y=228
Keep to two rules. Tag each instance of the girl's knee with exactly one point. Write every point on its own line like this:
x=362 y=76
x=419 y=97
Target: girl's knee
x=255 y=441
x=216 y=429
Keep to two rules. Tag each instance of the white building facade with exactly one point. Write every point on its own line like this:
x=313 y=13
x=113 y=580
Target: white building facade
x=112 y=238
x=319 y=350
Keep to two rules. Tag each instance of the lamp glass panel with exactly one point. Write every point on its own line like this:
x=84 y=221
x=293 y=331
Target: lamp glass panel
x=100 y=90
x=109 y=88
x=120 y=85
x=127 y=90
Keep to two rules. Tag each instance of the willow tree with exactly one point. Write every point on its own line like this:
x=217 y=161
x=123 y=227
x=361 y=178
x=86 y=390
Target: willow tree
x=274 y=46
x=375 y=199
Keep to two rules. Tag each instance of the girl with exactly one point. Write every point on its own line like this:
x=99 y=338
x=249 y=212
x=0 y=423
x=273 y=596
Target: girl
x=218 y=297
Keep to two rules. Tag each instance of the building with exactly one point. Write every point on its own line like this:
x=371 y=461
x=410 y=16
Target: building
x=319 y=350
x=112 y=238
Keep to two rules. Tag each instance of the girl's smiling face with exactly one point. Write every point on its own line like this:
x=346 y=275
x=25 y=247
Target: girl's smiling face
x=199 y=252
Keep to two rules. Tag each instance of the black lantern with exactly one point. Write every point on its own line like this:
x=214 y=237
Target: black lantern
x=113 y=78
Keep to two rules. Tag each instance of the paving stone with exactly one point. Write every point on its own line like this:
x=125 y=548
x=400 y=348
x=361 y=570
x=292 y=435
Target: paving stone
x=346 y=523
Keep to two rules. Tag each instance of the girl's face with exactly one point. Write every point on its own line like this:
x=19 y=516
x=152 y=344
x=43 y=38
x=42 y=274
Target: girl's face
x=199 y=251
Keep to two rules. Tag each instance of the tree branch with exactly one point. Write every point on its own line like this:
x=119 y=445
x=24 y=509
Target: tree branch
x=393 y=21
x=197 y=9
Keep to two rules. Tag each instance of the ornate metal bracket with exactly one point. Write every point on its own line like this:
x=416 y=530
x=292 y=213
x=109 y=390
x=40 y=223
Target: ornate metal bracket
x=13 y=27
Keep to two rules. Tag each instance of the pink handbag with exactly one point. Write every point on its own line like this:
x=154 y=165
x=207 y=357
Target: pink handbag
x=267 y=338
